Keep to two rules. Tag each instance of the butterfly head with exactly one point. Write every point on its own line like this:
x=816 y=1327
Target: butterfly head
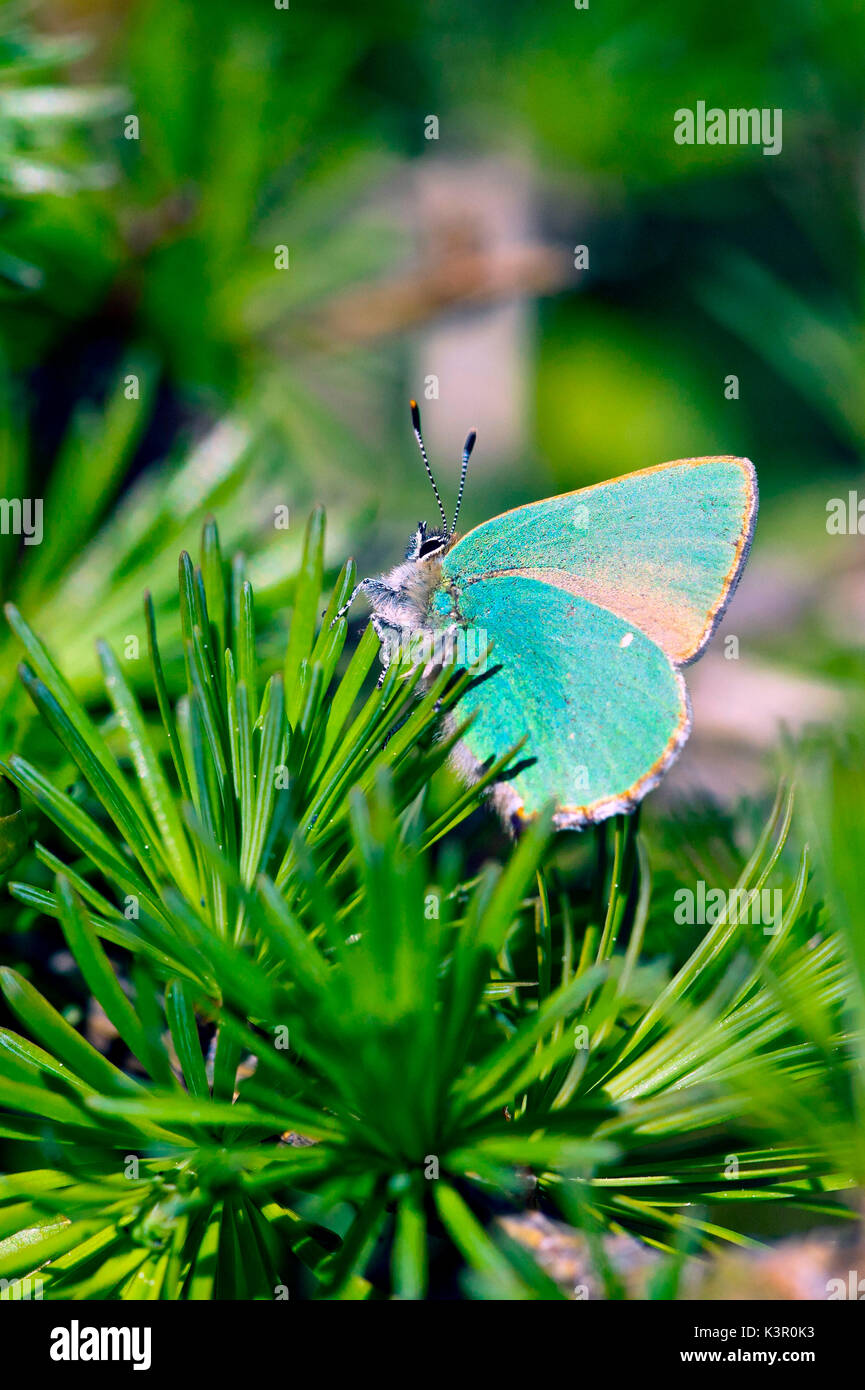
x=428 y=542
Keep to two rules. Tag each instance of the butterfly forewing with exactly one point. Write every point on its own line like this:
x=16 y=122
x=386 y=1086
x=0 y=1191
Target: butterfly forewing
x=663 y=548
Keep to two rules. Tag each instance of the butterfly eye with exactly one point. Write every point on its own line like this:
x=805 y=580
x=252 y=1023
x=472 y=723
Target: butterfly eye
x=429 y=546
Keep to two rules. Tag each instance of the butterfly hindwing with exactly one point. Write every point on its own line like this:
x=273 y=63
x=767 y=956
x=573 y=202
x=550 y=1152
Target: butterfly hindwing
x=604 y=709
x=662 y=548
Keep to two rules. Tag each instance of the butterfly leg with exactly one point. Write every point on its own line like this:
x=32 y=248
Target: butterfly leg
x=384 y=649
x=381 y=595
x=375 y=590
x=341 y=612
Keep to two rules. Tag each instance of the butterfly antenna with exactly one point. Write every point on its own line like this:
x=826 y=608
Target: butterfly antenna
x=415 y=421
x=467 y=453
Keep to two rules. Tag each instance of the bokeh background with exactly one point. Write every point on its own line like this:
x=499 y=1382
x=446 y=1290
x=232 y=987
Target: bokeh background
x=234 y=239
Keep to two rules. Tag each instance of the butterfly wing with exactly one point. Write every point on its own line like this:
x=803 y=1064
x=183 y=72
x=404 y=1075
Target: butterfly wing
x=604 y=708
x=662 y=548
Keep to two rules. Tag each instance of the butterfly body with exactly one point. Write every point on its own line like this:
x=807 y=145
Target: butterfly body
x=402 y=600
x=574 y=616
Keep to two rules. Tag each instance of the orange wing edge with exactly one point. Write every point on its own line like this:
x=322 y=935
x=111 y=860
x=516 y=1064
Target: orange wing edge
x=512 y=810
x=734 y=574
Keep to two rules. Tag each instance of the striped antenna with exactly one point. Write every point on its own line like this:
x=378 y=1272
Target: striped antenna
x=415 y=421
x=467 y=453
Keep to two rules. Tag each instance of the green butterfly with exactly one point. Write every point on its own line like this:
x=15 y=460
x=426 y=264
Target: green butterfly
x=593 y=601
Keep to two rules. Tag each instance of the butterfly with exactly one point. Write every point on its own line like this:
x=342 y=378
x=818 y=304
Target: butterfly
x=574 y=615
